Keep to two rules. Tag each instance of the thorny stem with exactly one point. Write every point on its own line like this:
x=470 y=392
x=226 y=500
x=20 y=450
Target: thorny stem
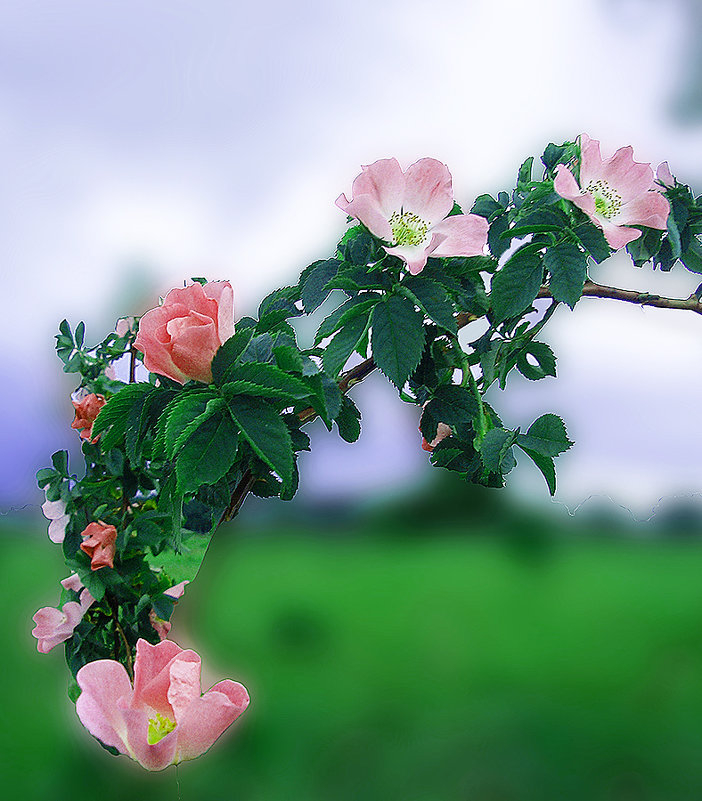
x=132 y=364
x=356 y=374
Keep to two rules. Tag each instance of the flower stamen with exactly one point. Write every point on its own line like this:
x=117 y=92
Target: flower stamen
x=159 y=727
x=608 y=201
x=408 y=228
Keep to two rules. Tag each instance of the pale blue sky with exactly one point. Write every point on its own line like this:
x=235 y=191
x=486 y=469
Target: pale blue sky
x=142 y=143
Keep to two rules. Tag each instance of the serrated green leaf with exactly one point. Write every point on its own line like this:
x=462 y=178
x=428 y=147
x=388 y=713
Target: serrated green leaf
x=343 y=344
x=208 y=452
x=544 y=357
x=547 y=436
x=228 y=355
x=567 y=265
x=115 y=413
x=515 y=287
x=433 y=299
x=495 y=448
x=344 y=314
x=692 y=257
x=327 y=398
x=454 y=406
x=593 y=240
x=189 y=408
x=485 y=206
x=349 y=420
x=266 y=432
x=288 y=358
x=260 y=349
x=397 y=338
x=266 y=380
x=545 y=465
x=313 y=282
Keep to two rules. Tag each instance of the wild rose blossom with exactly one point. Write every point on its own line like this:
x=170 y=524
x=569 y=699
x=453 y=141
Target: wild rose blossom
x=664 y=176
x=409 y=210
x=87 y=409
x=99 y=542
x=163 y=719
x=180 y=337
x=614 y=192
x=55 y=511
x=54 y=626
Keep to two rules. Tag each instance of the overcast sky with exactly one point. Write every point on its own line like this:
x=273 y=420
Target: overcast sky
x=143 y=143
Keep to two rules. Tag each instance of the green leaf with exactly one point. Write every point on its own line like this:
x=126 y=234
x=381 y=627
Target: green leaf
x=524 y=174
x=260 y=349
x=547 y=436
x=266 y=380
x=545 y=465
x=593 y=240
x=496 y=447
x=60 y=462
x=190 y=407
x=327 y=398
x=485 y=206
x=266 y=432
x=337 y=352
x=397 y=338
x=434 y=301
x=516 y=285
x=313 y=282
x=115 y=413
x=567 y=265
x=289 y=359
x=228 y=355
x=349 y=420
x=454 y=406
x=207 y=453
x=544 y=357
x=692 y=257
x=343 y=314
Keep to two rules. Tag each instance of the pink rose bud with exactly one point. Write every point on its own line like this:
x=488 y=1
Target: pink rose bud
x=180 y=337
x=55 y=511
x=87 y=410
x=125 y=325
x=163 y=719
x=99 y=542
x=442 y=431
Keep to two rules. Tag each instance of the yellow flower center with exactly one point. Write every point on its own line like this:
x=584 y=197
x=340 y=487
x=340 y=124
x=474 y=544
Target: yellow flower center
x=608 y=202
x=159 y=727
x=407 y=228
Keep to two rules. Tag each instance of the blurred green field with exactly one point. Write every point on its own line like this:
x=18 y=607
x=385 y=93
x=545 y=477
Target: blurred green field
x=391 y=669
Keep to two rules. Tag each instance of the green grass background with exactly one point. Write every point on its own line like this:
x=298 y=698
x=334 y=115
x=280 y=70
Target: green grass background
x=383 y=667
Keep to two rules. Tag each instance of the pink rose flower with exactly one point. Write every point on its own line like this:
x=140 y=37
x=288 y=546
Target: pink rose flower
x=614 y=192
x=180 y=337
x=442 y=431
x=55 y=511
x=87 y=409
x=100 y=544
x=54 y=626
x=409 y=210
x=163 y=719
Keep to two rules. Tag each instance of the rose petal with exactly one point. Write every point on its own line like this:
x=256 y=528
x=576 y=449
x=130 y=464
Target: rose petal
x=104 y=683
x=428 y=190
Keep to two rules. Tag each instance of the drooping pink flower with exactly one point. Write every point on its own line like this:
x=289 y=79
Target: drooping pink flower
x=87 y=409
x=442 y=431
x=163 y=719
x=614 y=193
x=54 y=626
x=99 y=542
x=409 y=211
x=180 y=337
x=162 y=627
x=55 y=511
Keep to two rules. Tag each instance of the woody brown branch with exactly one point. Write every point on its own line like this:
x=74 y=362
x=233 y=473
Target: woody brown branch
x=356 y=374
